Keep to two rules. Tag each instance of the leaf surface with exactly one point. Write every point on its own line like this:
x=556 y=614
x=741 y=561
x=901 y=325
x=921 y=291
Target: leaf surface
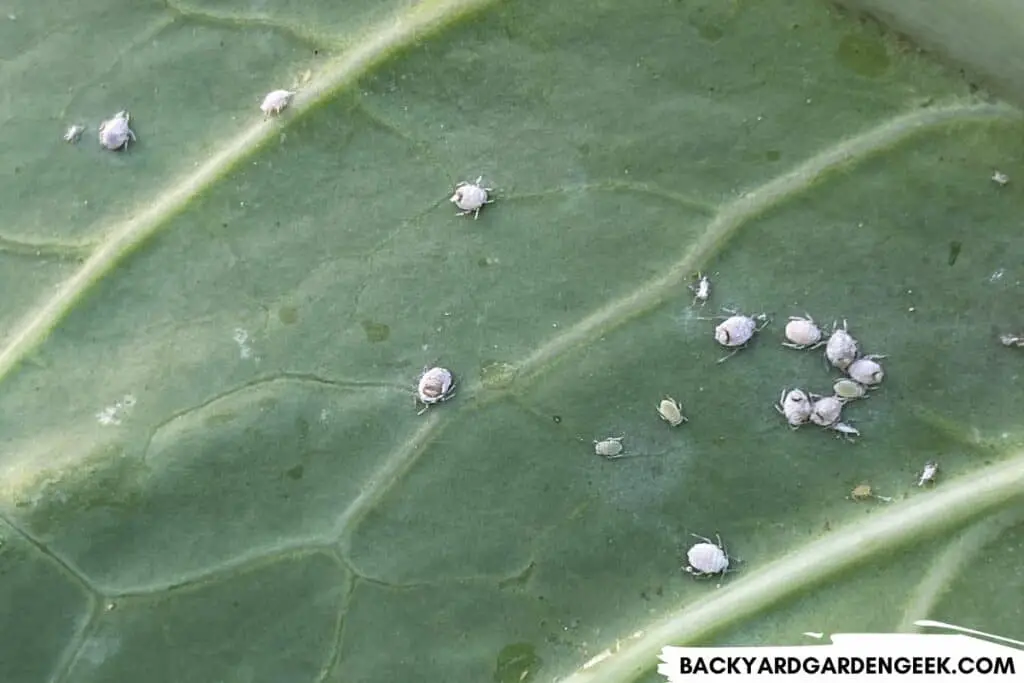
x=212 y=465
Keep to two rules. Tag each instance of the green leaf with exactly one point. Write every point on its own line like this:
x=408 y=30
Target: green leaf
x=213 y=469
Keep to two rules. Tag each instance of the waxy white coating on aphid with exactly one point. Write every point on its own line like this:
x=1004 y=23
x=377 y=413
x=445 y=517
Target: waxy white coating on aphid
x=1000 y=178
x=849 y=389
x=802 y=333
x=738 y=329
x=471 y=197
x=670 y=411
x=701 y=289
x=931 y=470
x=435 y=385
x=73 y=133
x=707 y=558
x=826 y=410
x=841 y=349
x=795 y=406
x=610 y=447
x=114 y=132
x=276 y=101
x=866 y=371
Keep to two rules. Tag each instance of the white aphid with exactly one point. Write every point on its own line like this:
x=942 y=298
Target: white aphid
x=670 y=411
x=1000 y=178
x=707 y=558
x=802 y=333
x=931 y=470
x=114 y=132
x=471 y=197
x=73 y=133
x=276 y=101
x=701 y=289
x=795 y=406
x=610 y=447
x=841 y=349
x=1012 y=339
x=866 y=370
x=738 y=329
x=844 y=429
x=849 y=389
x=826 y=410
x=435 y=385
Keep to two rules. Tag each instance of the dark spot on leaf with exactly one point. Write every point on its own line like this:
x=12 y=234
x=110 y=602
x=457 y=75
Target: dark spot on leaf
x=954 y=251
x=289 y=315
x=376 y=332
x=557 y=419
x=516 y=663
x=772 y=155
x=295 y=472
x=862 y=55
x=302 y=427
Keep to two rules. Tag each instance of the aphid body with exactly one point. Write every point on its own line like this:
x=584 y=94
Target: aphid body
x=1011 y=339
x=931 y=470
x=610 y=447
x=435 y=385
x=849 y=389
x=795 y=406
x=707 y=558
x=735 y=331
x=866 y=371
x=802 y=333
x=826 y=410
x=471 y=197
x=114 y=133
x=841 y=349
x=701 y=289
x=671 y=411
x=276 y=101
x=73 y=133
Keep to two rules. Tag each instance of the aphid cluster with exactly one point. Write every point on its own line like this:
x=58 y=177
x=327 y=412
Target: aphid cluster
x=843 y=352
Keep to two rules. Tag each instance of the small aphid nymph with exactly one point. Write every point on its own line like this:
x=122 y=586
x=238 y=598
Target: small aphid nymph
x=671 y=411
x=802 y=333
x=841 y=349
x=471 y=197
x=848 y=389
x=1000 y=178
x=610 y=447
x=73 y=133
x=866 y=371
x=276 y=101
x=114 y=133
x=863 y=492
x=707 y=558
x=701 y=289
x=931 y=470
x=795 y=406
x=1012 y=340
x=737 y=330
x=435 y=386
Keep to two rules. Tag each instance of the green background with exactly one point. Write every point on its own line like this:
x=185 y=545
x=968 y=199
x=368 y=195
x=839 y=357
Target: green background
x=211 y=467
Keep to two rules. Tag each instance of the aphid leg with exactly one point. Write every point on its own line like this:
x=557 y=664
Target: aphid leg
x=725 y=358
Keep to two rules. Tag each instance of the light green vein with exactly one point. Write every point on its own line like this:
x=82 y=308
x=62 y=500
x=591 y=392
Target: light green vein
x=965 y=499
x=377 y=45
x=727 y=220
x=749 y=206
x=57 y=249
